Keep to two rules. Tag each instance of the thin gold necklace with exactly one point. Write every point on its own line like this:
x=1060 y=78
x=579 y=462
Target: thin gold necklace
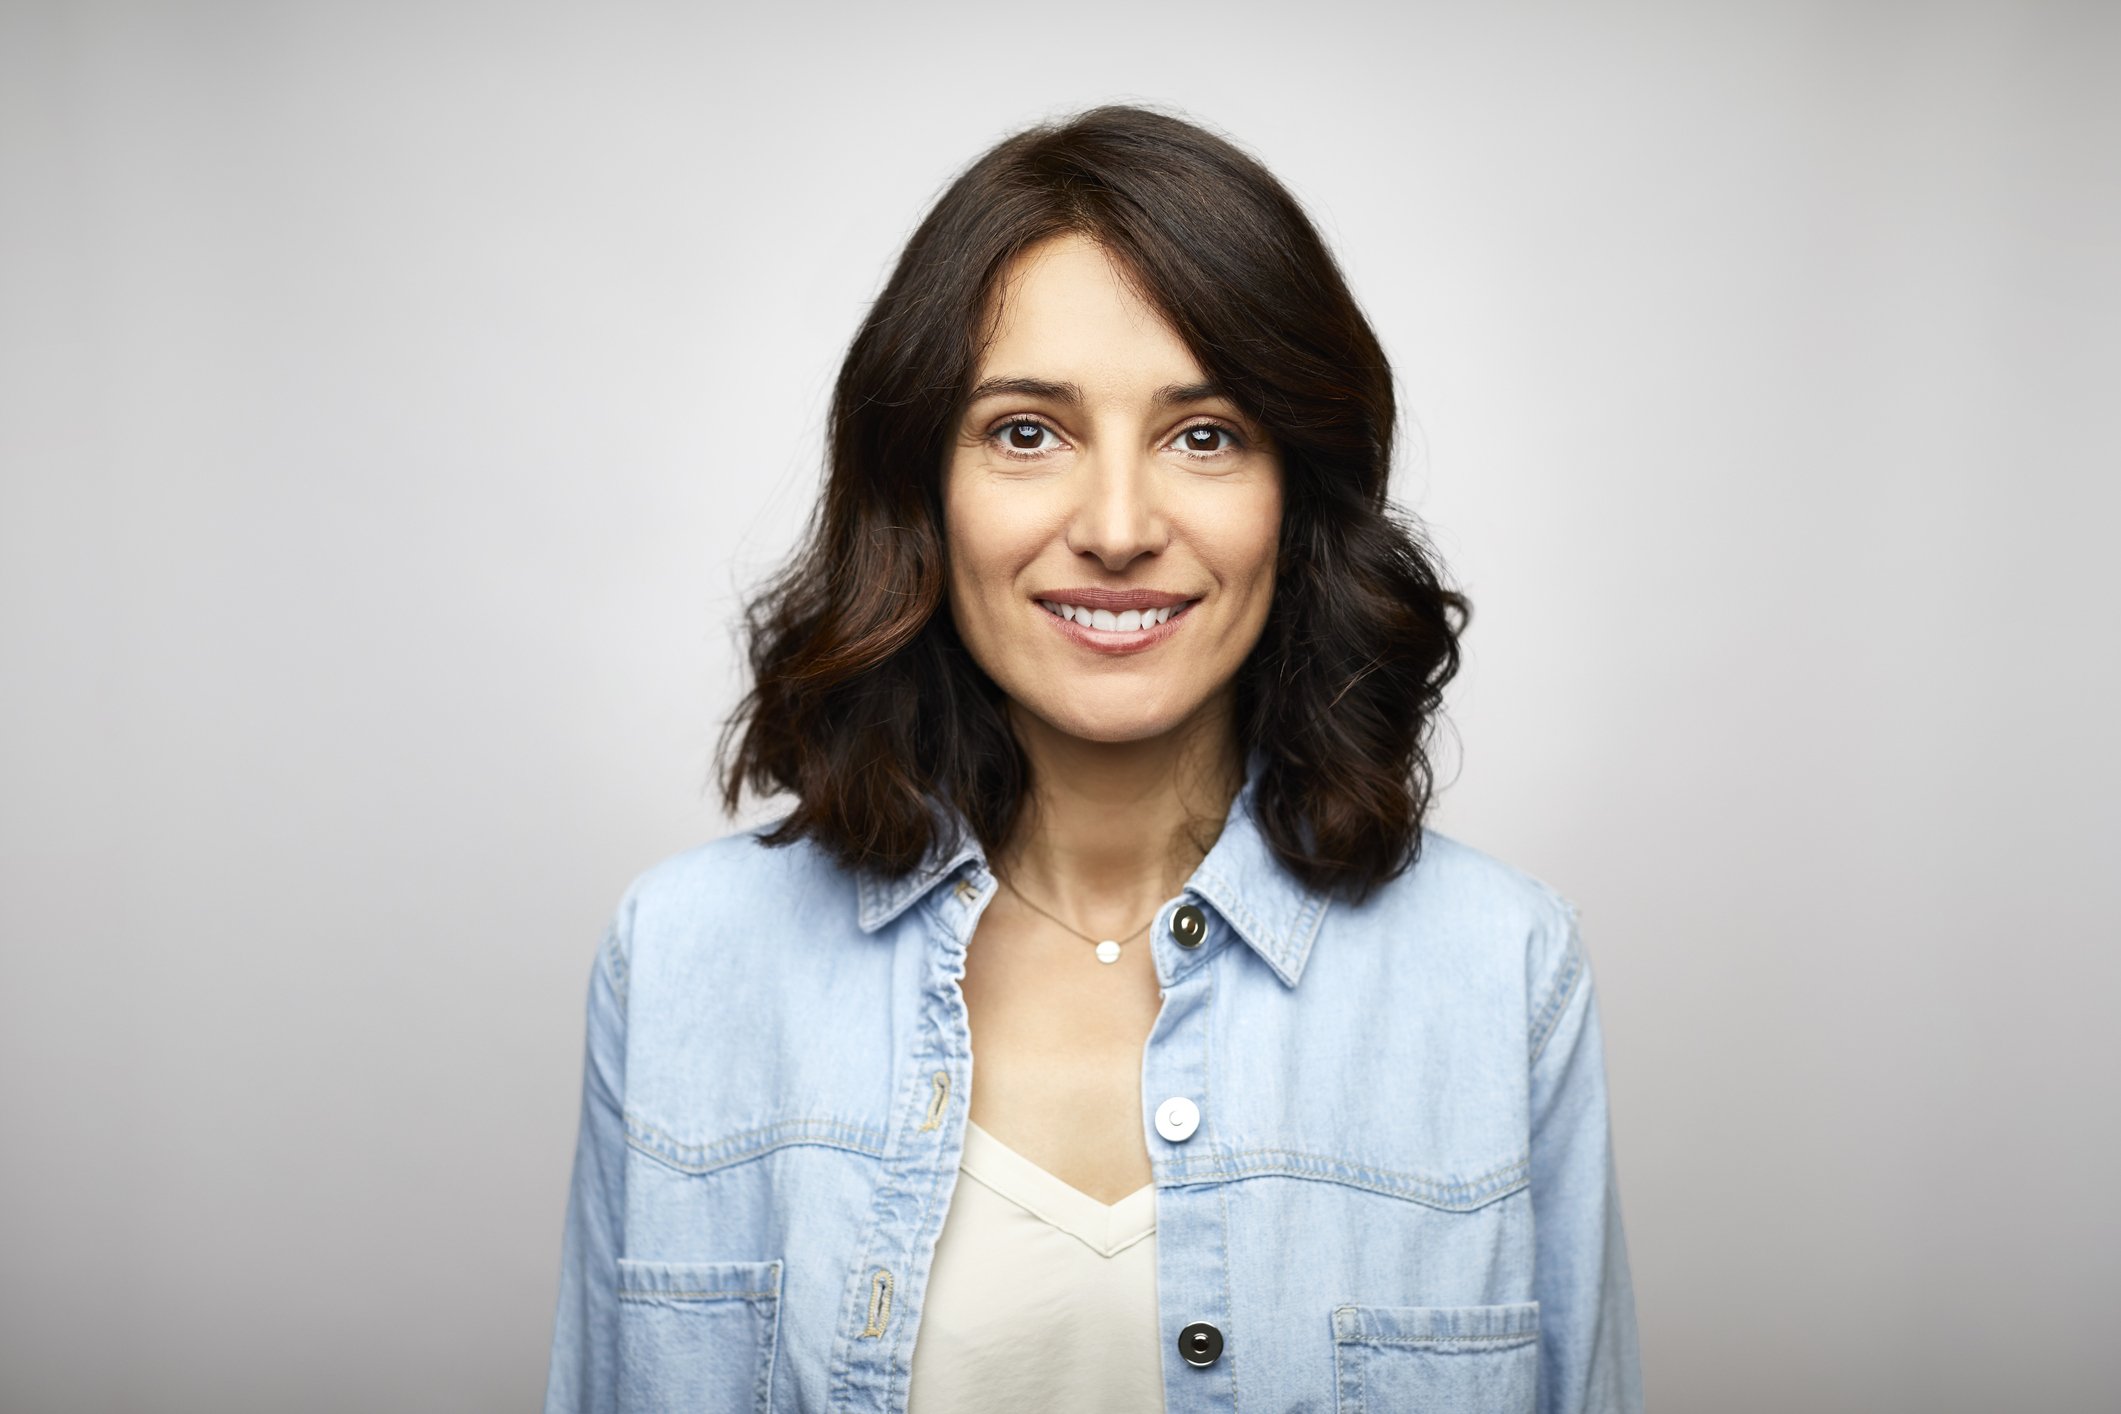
x=1107 y=948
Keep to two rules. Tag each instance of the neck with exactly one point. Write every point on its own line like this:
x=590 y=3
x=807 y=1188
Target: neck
x=1111 y=830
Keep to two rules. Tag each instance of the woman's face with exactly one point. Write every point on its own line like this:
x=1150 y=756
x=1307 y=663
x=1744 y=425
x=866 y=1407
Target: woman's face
x=1096 y=468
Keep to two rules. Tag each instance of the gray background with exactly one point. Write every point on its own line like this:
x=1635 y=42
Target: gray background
x=396 y=401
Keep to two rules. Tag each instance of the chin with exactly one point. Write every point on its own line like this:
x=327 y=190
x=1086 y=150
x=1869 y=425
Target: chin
x=1119 y=721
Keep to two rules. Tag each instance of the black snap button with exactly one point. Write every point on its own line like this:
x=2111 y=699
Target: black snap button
x=1189 y=927
x=1200 y=1343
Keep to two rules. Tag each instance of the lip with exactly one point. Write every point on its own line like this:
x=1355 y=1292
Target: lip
x=1117 y=600
x=1113 y=641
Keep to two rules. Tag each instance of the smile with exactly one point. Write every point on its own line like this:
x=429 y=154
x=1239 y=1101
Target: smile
x=1127 y=631
x=1125 y=622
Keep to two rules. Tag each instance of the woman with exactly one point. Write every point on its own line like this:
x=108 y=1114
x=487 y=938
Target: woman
x=1102 y=688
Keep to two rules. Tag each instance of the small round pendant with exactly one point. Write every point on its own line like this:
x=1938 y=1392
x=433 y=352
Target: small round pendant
x=1108 y=951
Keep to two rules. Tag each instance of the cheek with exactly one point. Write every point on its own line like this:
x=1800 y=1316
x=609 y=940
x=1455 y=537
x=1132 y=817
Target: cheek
x=964 y=532
x=1247 y=540
x=983 y=546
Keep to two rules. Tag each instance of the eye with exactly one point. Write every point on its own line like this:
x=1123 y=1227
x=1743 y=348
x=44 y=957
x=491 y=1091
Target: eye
x=1201 y=439
x=1021 y=436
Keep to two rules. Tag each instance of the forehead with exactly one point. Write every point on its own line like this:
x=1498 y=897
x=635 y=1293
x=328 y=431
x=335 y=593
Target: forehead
x=1063 y=309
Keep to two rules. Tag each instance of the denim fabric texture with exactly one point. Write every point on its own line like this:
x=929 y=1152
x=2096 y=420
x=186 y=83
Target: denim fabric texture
x=1400 y=1193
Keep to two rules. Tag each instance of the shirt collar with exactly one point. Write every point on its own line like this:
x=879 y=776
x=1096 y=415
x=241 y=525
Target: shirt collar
x=1241 y=878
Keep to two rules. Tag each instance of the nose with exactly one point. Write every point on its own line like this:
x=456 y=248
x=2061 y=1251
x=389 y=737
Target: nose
x=1118 y=513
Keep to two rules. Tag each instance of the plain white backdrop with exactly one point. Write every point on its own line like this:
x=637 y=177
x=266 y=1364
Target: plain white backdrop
x=397 y=401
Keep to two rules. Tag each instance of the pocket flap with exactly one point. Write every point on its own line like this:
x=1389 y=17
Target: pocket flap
x=697 y=1335
x=646 y=1280
x=1487 y=1327
x=1439 y=1359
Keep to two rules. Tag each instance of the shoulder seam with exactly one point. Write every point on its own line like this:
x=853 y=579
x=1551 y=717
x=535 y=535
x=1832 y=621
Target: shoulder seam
x=611 y=956
x=1569 y=974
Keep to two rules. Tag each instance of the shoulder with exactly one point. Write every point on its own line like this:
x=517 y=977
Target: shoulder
x=740 y=860
x=735 y=886
x=1453 y=879
x=1475 y=912
x=1536 y=921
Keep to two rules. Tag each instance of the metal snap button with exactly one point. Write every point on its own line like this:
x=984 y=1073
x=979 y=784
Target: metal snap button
x=1177 y=1118
x=1189 y=926
x=1200 y=1343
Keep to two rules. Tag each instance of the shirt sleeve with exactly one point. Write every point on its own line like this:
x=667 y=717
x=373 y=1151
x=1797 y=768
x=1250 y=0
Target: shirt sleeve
x=1589 y=1363
x=583 y=1375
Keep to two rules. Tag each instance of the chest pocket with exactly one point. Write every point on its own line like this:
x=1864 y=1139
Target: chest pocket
x=1437 y=1359
x=697 y=1335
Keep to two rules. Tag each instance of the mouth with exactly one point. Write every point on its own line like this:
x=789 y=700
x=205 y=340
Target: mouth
x=1106 y=631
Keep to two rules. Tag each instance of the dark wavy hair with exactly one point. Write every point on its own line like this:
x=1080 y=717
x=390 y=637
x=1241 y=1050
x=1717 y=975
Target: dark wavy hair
x=866 y=705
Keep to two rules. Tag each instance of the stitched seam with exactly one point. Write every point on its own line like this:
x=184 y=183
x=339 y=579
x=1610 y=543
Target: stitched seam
x=1462 y=1205
x=615 y=968
x=1564 y=988
x=628 y=1293
x=1284 y=951
x=1306 y=929
x=1438 y=1340
x=1238 y=913
x=1438 y=1183
x=939 y=1174
x=742 y=1136
x=1208 y=1087
x=1340 y=1378
x=1564 y=982
x=746 y=1145
x=1232 y=1163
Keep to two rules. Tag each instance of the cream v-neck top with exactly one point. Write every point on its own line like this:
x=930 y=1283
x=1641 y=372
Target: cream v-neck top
x=1040 y=1298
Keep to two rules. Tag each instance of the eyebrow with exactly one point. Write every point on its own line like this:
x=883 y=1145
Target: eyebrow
x=1170 y=395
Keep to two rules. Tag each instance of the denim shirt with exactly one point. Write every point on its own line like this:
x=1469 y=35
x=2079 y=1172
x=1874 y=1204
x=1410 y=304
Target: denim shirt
x=1391 y=1186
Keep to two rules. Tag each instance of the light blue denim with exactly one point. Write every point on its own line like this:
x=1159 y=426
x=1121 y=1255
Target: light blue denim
x=1400 y=1193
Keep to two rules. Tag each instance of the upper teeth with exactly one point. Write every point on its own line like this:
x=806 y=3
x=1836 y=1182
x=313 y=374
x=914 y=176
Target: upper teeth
x=1127 y=622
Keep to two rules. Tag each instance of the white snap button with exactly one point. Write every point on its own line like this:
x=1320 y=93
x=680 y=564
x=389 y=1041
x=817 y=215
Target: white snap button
x=1177 y=1118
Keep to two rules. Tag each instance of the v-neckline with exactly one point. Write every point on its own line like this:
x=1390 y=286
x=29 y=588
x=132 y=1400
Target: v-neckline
x=1105 y=1228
